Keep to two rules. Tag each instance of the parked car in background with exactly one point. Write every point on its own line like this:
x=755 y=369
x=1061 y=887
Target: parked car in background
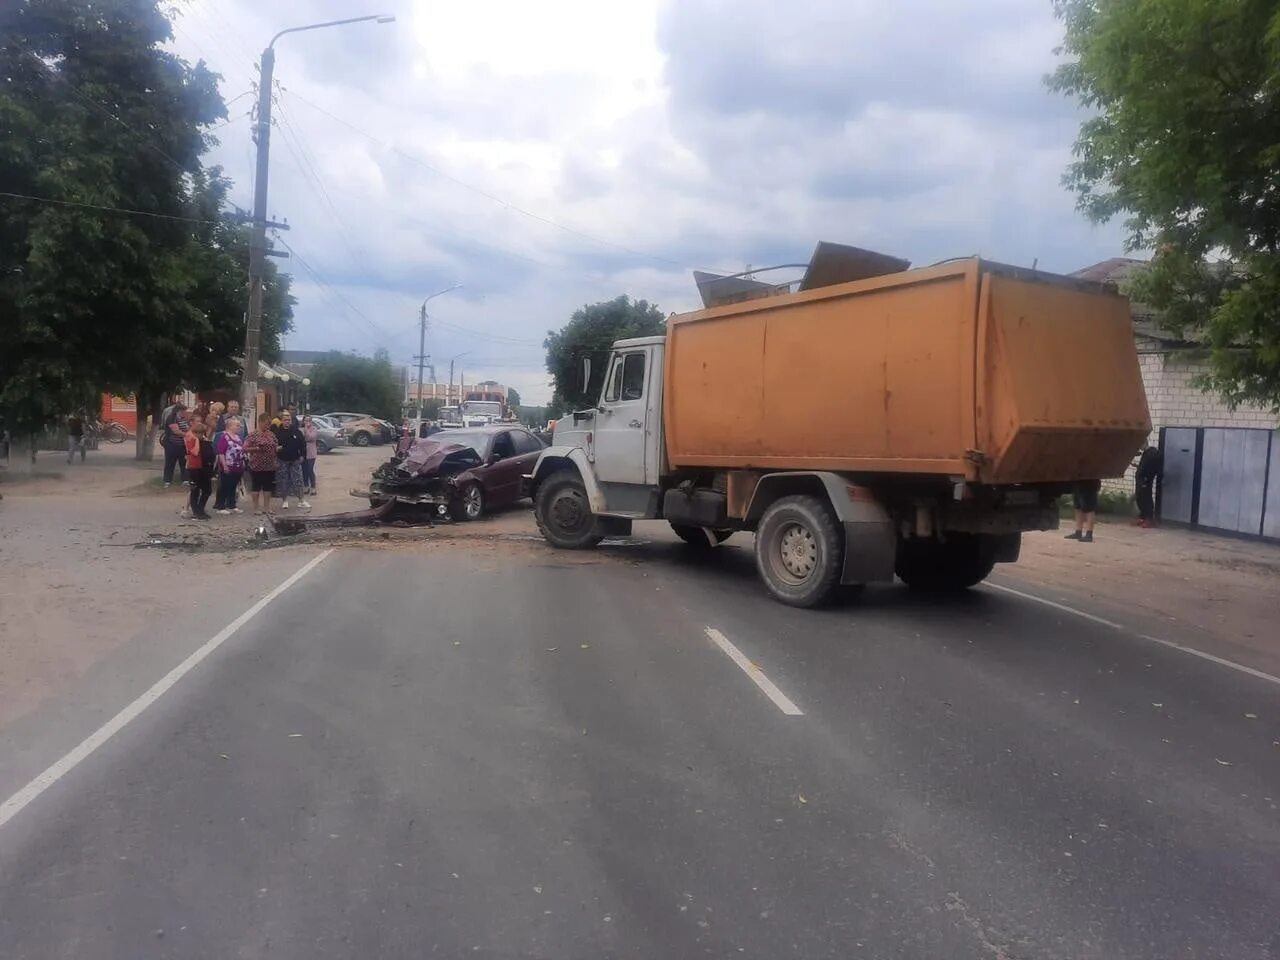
x=329 y=434
x=362 y=429
x=465 y=473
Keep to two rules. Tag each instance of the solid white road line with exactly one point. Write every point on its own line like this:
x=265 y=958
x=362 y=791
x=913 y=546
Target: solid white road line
x=1115 y=626
x=14 y=805
x=780 y=699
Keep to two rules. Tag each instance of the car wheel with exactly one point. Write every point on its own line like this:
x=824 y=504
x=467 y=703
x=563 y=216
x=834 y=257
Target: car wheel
x=798 y=551
x=360 y=438
x=564 y=513
x=470 y=503
x=321 y=446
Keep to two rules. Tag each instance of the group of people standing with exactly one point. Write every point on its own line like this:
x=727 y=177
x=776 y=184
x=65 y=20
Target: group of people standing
x=213 y=442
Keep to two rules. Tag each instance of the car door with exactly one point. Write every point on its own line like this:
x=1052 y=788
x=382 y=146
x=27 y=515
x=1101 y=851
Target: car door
x=528 y=448
x=504 y=475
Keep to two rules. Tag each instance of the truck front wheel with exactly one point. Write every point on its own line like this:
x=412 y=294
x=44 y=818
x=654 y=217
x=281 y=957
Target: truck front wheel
x=564 y=513
x=799 y=551
x=929 y=566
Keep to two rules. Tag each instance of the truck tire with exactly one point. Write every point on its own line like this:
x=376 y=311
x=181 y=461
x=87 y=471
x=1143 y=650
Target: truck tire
x=799 y=551
x=564 y=513
x=700 y=538
x=932 y=567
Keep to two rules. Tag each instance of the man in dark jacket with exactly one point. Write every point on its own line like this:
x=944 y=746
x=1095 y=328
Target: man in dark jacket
x=1150 y=467
x=290 y=451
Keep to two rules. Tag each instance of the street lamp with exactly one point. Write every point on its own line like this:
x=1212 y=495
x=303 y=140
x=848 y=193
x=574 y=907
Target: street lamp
x=422 y=340
x=258 y=245
x=456 y=356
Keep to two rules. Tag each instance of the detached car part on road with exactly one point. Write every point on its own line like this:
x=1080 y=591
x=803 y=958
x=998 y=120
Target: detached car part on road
x=459 y=473
x=879 y=421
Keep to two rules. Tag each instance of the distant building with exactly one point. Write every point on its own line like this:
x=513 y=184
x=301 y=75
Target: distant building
x=450 y=393
x=1222 y=466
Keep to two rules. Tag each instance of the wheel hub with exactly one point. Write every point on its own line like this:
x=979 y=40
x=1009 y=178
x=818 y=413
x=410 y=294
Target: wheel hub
x=567 y=511
x=472 y=502
x=798 y=550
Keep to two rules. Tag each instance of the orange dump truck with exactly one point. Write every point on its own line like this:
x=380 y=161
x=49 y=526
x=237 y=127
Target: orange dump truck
x=911 y=423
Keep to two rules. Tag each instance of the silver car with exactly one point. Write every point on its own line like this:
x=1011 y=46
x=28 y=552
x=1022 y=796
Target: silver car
x=329 y=434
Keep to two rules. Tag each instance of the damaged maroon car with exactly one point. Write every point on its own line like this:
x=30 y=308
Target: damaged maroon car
x=458 y=473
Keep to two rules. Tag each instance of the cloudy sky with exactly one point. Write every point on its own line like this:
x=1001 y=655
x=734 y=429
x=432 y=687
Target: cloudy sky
x=552 y=154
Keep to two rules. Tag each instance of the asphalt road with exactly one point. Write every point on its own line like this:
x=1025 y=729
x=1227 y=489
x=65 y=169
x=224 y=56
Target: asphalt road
x=512 y=752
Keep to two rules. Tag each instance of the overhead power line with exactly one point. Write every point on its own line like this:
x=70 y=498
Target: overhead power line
x=484 y=193
x=96 y=206
x=327 y=289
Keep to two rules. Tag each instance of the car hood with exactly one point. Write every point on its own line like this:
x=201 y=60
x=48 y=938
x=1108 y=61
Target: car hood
x=426 y=457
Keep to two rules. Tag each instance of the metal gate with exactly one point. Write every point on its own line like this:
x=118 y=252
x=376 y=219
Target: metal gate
x=1271 y=509
x=1177 y=485
x=1233 y=478
x=1223 y=478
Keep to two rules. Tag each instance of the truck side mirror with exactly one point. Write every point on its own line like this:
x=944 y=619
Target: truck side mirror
x=586 y=374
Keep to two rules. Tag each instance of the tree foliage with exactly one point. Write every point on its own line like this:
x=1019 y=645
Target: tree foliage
x=513 y=397
x=589 y=334
x=1184 y=142
x=344 y=381
x=95 y=114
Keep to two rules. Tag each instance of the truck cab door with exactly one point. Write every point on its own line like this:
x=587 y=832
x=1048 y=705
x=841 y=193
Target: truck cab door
x=620 y=428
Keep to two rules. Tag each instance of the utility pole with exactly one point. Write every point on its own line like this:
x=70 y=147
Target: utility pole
x=258 y=242
x=422 y=339
x=422 y=354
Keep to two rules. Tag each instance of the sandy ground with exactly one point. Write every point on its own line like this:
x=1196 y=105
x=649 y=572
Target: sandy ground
x=74 y=585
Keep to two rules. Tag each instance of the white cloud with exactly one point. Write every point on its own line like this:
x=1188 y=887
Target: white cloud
x=687 y=133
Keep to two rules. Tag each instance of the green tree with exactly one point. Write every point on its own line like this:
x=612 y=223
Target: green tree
x=588 y=335
x=97 y=115
x=513 y=397
x=1183 y=142
x=344 y=381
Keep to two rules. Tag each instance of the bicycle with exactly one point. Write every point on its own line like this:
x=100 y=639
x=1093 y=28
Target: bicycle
x=110 y=430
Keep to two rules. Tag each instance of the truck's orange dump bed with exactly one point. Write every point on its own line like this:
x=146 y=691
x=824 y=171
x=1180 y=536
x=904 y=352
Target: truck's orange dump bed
x=964 y=369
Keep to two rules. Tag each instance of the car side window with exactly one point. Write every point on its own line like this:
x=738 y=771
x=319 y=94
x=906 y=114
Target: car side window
x=526 y=442
x=615 y=381
x=633 y=376
x=503 y=447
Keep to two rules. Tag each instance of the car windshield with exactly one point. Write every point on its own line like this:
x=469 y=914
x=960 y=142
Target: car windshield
x=477 y=441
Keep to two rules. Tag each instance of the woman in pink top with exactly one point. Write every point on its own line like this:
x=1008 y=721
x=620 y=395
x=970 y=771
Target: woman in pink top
x=309 y=461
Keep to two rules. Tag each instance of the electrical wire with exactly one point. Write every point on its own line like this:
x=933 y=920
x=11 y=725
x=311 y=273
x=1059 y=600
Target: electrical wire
x=95 y=206
x=306 y=165
x=76 y=91
x=327 y=288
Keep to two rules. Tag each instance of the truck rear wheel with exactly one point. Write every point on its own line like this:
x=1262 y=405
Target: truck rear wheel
x=933 y=567
x=700 y=537
x=799 y=550
x=564 y=513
